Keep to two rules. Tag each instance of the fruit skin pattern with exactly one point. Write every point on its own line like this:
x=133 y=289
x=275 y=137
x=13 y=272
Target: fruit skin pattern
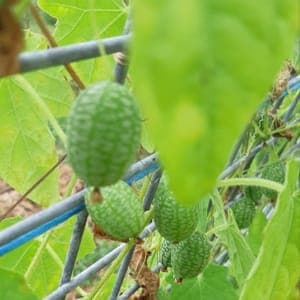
x=165 y=255
x=244 y=212
x=119 y=214
x=190 y=257
x=274 y=172
x=104 y=129
x=174 y=221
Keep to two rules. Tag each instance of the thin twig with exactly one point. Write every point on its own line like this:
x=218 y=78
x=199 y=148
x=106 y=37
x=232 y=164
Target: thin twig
x=39 y=181
x=52 y=43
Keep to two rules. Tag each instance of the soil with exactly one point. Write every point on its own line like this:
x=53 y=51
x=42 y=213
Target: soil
x=27 y=207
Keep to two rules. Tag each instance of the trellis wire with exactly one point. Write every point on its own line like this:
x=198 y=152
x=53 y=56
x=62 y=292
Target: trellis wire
x=121 y=274
x=36 y=60
x=74 y=246
x=41 y=218
x=41 y=222
x=94 y=268
x=121 y=66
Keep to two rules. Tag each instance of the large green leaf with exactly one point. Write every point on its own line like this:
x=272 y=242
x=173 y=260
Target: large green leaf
x=212 y=285
x=27 y=148
x=82 y=20
x=276 y=270
x=200 y=68
x=51 y=84
x=14 y=287
x=255 y=234
x=42 y=267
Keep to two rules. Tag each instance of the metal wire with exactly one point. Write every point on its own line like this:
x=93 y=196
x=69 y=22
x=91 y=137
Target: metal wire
x=36 y=60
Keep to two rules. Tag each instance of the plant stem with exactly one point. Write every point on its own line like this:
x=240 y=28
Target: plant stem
x=253 y=181
x=37 y=256
x=41 y=104
x=94 y=295
x=61 y=265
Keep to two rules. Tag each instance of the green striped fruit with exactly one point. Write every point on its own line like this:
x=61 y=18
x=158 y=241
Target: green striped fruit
x=165 y=254
x=104 y=129
x=174 y=220
x=119 y=214
x=244 y=212
x=191 y=256
x=274 y=172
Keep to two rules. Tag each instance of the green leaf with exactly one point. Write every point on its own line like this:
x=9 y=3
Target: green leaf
x=14 y=287
x=212 y=285
x=240 y=253
x=200 y=69
x=254 y=237
x=27 y=148
x=82 y=20
x=42 y=268
x=51 y=83
x=276 y=270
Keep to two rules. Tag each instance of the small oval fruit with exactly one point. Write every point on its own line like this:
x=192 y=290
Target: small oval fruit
x=174 y=221
x=274 y=172
x=104 y=129
x=165 y=255
x=244 y=212
x=191 y=256
x=119 y=214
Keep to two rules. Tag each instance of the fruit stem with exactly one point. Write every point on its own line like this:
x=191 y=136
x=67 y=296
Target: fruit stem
x=25 y=85
x=253 y=181
x=95 y=294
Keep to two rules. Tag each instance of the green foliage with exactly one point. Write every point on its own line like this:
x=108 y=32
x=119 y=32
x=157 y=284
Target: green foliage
x=280 y=250
x=41 y=261
x=255 y=235
x=199 y=75
x=27 y=148
x=240 y=253
x=14 y=287
x=174 y=220
x=212 y=285
x=79 y=21
x=104 y=130
x=119 y=214
x=199 y=69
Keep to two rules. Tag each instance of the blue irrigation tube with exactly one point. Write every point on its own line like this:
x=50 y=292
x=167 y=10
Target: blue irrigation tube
x=8 y=245
x=40 y=229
